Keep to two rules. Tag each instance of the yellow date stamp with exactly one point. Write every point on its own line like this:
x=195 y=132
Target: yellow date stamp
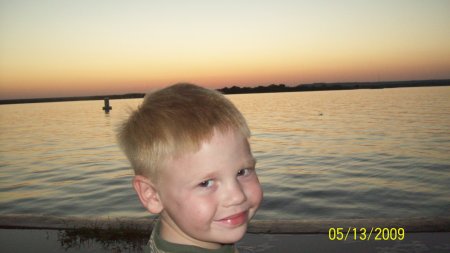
x=366 y=234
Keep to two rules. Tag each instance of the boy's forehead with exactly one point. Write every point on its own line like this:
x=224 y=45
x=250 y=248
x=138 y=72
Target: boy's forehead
x=222 y=150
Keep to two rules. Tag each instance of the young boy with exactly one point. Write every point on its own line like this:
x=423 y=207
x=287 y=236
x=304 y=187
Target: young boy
x=190 y=152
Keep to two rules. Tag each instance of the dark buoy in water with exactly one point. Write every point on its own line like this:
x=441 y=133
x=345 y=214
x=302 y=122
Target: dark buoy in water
x=107 y=108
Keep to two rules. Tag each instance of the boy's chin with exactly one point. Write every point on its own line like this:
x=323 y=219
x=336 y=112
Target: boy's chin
x=233 y=236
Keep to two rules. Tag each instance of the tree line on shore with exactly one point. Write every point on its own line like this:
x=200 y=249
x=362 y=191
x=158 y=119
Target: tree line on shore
x=333 y=86
x=258 y=89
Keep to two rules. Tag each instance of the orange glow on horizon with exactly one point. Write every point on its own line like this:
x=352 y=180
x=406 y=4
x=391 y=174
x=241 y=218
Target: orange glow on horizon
x=49 y=50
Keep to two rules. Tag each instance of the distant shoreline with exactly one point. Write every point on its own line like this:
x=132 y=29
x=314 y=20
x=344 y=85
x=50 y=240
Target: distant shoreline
x=259 y=89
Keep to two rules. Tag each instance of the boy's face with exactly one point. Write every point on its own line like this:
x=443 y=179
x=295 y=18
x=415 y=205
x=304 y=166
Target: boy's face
x=209 y=196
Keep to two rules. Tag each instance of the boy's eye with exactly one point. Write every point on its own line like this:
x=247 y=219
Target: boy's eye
x=243 y=172
x=206 y=183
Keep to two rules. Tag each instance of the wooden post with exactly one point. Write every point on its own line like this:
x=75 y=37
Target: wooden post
x=107 y=108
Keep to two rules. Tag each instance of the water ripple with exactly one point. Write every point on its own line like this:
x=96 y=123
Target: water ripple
x=333 y=154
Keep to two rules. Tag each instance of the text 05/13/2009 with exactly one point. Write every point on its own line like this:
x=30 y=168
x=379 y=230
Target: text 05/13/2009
x=364 y=234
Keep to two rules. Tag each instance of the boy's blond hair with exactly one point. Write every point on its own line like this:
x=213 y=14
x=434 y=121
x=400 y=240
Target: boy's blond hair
x=175 y=121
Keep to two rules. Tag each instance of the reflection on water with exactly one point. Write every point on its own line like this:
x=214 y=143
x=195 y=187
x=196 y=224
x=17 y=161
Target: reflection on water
x=331 y=154
x=110 y=240
x=69 y=241
x=364 y=153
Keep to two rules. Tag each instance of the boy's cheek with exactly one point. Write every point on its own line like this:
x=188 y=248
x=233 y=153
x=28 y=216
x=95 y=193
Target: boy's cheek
x=200 y=206
x=255 y=192
x=258 y=184
x=193 y=210
x=261 y=194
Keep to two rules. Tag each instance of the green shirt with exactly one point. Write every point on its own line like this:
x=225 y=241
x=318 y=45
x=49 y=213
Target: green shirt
x=159 y=245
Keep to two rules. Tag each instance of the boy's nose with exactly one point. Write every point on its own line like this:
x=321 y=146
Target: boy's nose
x=234 y=194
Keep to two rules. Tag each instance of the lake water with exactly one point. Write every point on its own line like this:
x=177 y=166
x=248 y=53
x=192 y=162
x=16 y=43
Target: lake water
x=380 y=153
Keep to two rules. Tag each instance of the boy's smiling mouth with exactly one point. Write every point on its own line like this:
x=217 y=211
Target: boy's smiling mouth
x=235 y=219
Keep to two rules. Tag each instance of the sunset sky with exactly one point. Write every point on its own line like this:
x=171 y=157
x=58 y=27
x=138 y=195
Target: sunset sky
x=85 y=47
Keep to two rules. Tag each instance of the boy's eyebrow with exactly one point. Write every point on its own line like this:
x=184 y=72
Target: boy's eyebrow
x=209 y=175
x=252 y=161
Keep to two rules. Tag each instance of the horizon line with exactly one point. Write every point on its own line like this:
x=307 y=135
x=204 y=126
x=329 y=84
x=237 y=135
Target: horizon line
x=228 y=90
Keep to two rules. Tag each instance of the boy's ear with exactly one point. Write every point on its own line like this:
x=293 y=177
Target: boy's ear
x=148 y=195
